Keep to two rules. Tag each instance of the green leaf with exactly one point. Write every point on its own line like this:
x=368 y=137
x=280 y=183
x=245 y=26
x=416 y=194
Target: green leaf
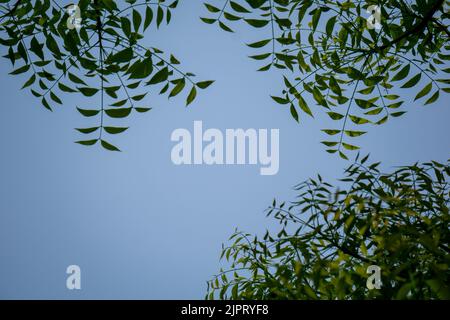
x=342 y=155
x=354 y=74
x=259 y=44
x=20 y=70
x=121 y=57
x=115 y=130
x=75 y=79
x=280 y=100
x=137 y=19
x=118 y=112
x=160 y=76
x=331 y=132
x=334 y=86
x=318 y=96
x=142 y=110
x=351 y=133
x=87 y=130
x=398 y=114
x=358 y=120
x=330 y=25
x=65 y=88
x=208 y=21
x=211 y=8
x=261 y=56
x=413 y=81
x=225 y=27
x=159 y=16
x=204 y=84
x=174 y=60
x=257 y=23
x=402 y=74
x=148 y=17
x=191 y=96
x=36 y=48
x=424 y=91
x=46 y=105
x=433 y=98
x=30 y=81
x=335 y=115
x=349 y=146
x=55 y=98
x=87 y=142
x=304 y=106
x=294 y=112
x=87 y=91
x=88 y=113
x=138 y=97
x=329 y=143
x=178 y=88
x=119 y=103
x=238 y=8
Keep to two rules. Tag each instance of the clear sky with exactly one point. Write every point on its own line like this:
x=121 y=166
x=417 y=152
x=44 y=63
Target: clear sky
x=137 y=225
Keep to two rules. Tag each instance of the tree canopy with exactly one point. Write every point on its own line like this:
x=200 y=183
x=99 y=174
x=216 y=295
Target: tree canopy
x=330 y=52
x=328 y=237
x=104 y=59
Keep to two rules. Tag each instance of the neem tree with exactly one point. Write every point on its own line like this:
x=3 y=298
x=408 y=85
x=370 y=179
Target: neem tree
x=329 y=237
x=354 y=69
x=102 y=59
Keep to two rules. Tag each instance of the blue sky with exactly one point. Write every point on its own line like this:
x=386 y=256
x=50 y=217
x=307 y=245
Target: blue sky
x=137 y=225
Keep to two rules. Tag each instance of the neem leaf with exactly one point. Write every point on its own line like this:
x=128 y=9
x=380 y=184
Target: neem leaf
x=294 y=112
x=225 y=27
x=259 y=44
x=358 y=120
x=354 y=133
x=87 y=91
x=402 y=74
x=335 y=115
x=122 y=56
x=424 y=91
x=211 y=8
x=137 y=19
x=87 y=130
x=142 y=110
x=88 y=113
x=159 y=16
x=178 y=88
x=115 y=130
x=331 y=132
x=109 y=146
x=413 y=81
x=87 y=142
x=349 y=146
x=191 y=96
x=280 y=100
x=257 y=23
x=148 y=17
x=36 y=48
x=433 y=98
x=204 y=84
x=304 y=106
x=160 y=76
x=238 y=8
x=30 y=81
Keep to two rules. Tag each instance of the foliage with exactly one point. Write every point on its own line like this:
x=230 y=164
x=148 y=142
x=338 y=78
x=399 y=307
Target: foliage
x=328 y=53
x=104 y=58
x=328 y=237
